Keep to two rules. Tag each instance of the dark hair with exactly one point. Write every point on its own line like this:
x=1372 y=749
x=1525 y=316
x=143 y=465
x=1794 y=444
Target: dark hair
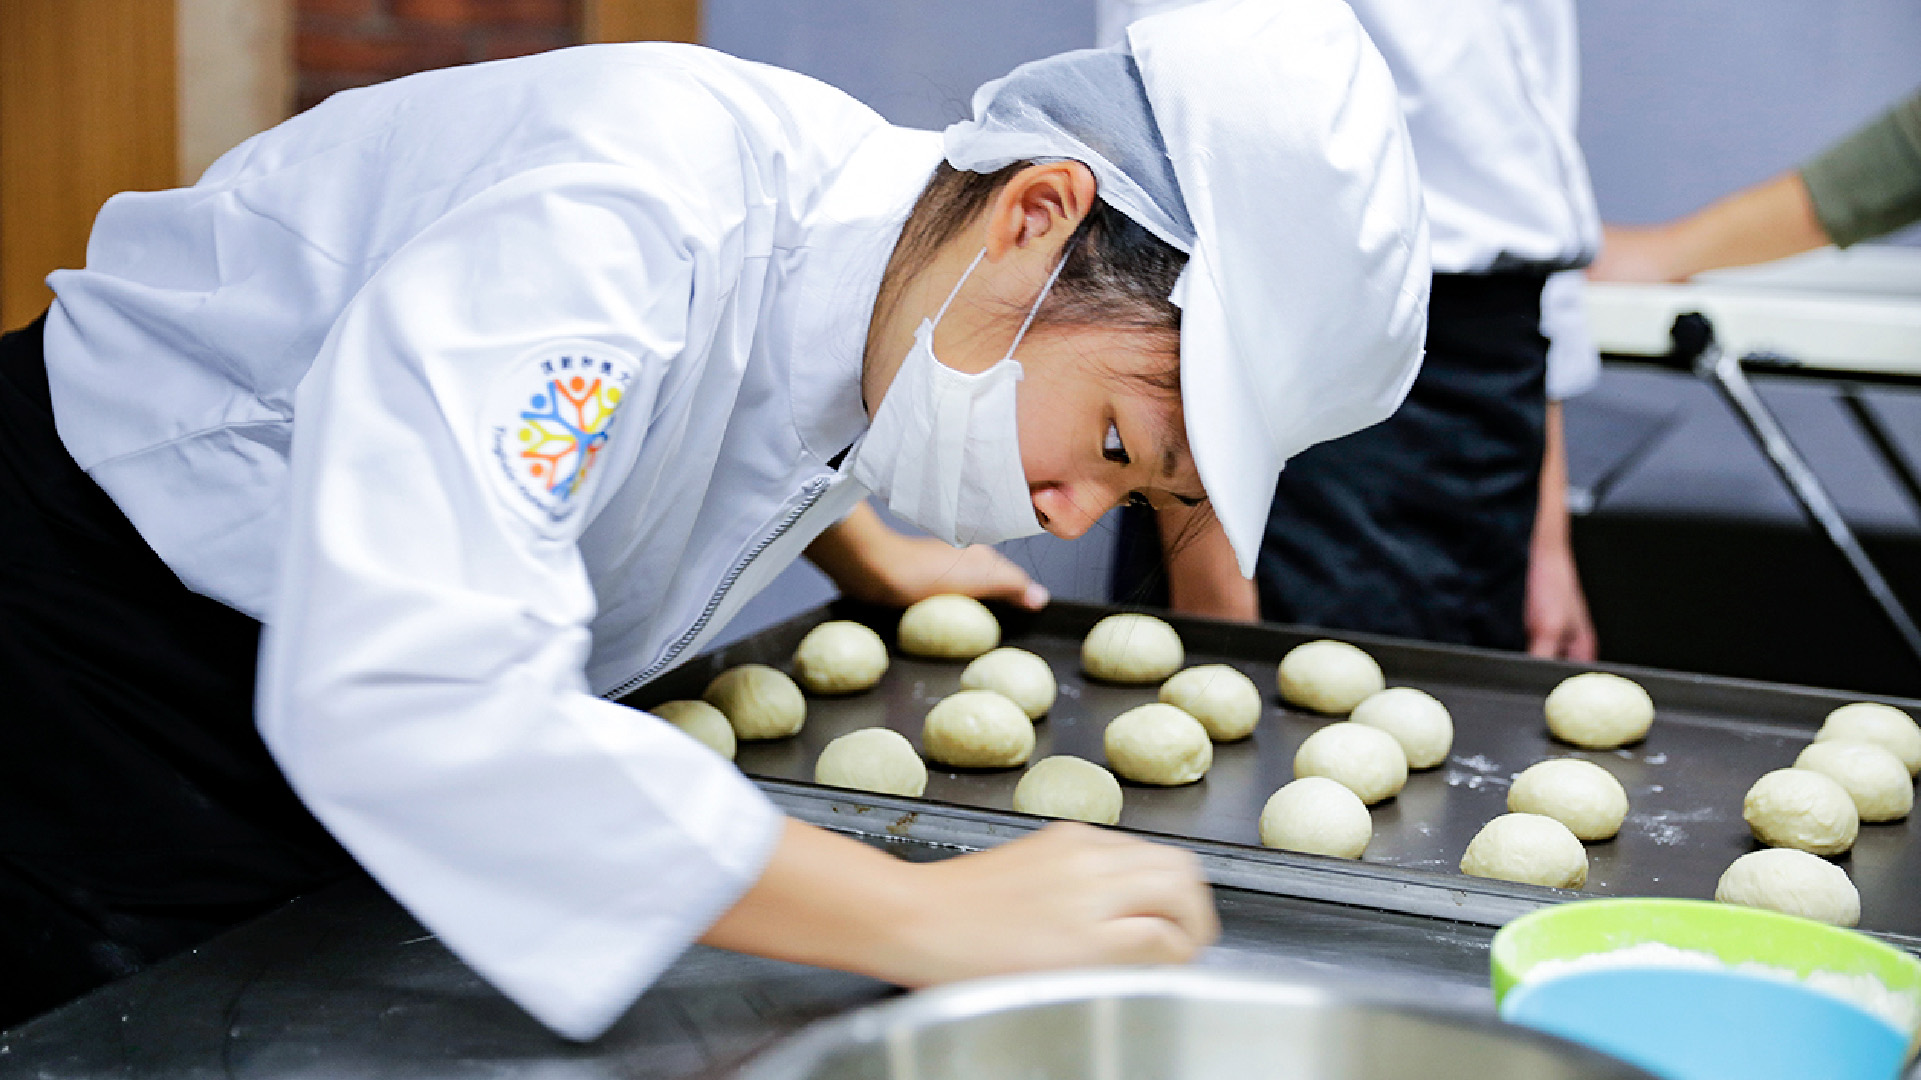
x=1117 y=273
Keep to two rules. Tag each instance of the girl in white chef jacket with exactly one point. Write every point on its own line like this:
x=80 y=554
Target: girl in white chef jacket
x=491 y=393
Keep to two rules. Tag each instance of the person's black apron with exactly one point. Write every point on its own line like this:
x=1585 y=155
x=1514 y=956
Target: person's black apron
x=139 y=810
x=1419 y=526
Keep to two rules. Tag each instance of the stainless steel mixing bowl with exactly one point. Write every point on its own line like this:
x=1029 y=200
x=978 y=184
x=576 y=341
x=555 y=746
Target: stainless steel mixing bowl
x=1167 y=1024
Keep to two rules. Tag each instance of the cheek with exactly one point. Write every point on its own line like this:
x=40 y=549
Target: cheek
x=1056 y=428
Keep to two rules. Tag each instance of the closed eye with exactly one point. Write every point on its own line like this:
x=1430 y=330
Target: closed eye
x=1111 y=447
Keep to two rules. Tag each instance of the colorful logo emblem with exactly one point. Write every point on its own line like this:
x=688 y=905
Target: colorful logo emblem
x=562 y=404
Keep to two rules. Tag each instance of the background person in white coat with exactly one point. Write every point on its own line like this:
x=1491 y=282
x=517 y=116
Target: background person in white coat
x=480 y=397
x=1449 y=521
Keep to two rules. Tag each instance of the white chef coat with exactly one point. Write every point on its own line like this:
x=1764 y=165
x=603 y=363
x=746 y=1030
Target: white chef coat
x=646 y=268
x=1491 y=91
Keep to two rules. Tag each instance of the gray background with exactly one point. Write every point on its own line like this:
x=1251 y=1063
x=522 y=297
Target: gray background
x=1682 y=101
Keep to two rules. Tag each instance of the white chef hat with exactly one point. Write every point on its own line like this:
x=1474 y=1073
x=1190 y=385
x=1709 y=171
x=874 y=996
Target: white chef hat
x=1262 y=138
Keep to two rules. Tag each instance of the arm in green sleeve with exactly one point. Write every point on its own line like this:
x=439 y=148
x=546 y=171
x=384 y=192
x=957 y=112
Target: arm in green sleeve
x=1870 y=182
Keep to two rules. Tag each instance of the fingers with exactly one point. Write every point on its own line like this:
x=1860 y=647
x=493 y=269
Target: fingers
x=1144 y=939
x=986 y=574
x=1584 y=646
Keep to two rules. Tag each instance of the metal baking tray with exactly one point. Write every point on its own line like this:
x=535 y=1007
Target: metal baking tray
x=1712 y=738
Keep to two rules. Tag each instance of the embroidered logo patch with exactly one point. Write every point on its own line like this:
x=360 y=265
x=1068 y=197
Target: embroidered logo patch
x=548 y=422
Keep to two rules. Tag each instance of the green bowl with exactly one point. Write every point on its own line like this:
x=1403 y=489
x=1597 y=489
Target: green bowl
x=1734 y=934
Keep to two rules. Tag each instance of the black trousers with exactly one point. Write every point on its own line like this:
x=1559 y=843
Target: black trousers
x=1419 y=526
x=139 y=811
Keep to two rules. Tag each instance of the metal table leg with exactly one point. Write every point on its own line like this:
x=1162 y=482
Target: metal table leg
x=1694 y=346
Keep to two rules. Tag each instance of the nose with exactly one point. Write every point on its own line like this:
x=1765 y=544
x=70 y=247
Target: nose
x=1070 y=510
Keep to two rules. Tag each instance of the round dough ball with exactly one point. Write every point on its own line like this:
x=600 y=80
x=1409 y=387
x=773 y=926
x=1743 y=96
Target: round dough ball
x=1222 y=698
x=1158 y=744
x=1418 y=722
x=1873 y=777
x=1328 y=677
x=1527 y=848
x=702 y=721
x=760 y=702
x=1874 y=723
x=840 y=657
x=1318 y=816
x=1801 y=808
x=1599 y=711
x=977 y=729
x=948 y=627
x=1069 y=787
x=1131 y=649
x=1018 y=675
x=1792 y=882
x=872 y=759
x=1366 y=760
x=1579 y=794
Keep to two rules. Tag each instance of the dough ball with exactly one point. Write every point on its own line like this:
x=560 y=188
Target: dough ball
x=1318 y=816
x=948 y=627
x=1418 y=722
x=1792 y=882
x=1599 y=711
x=977 y=729
x=1018 y=675
x=1527 y=848
x=1579 y=794
x=1873 y=777
x=1158 y=744
x=1131 y=649
x=760 y=702
x=1366 y=760
x=1801 y=808
x=840 y=657
x=1328 y=677
x=1225 y=701
x=702 y=721
x=872 y=759
x=1069 y=787
x=1873 y=723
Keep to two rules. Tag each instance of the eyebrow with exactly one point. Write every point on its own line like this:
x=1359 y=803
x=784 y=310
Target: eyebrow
x=1170 y=433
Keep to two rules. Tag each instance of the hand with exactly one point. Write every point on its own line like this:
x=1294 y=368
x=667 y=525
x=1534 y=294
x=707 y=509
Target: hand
x=1635 y=253
x=873 y=563
x=1558 y=624
x=1068 y=896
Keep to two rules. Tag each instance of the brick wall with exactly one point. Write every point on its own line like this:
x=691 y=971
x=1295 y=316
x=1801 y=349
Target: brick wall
x=344 y=43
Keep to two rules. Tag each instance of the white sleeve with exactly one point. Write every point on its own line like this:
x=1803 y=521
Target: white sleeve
x=421 y=679
x=1573 y=362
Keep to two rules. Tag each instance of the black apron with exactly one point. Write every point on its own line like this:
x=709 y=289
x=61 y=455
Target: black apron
x=1419 y=526
x=139 y=810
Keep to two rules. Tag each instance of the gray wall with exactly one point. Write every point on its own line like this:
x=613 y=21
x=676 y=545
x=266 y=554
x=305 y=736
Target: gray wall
x=1683 y=100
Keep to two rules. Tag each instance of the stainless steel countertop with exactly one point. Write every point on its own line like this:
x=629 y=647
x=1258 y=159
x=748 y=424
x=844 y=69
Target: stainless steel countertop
x=344 y=983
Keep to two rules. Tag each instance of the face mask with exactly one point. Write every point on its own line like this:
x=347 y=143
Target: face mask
x=944 y=449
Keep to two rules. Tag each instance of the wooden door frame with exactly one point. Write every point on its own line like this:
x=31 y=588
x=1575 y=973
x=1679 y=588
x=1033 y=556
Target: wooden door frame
x=87 y=108
x=640 y=20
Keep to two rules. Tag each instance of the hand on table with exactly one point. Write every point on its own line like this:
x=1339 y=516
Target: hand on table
x=1069 y=895
x=873 y=563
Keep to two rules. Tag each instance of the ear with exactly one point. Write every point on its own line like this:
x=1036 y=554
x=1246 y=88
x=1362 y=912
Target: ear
x=1040 y=201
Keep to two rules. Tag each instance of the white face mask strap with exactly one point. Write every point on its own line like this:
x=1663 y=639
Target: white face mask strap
x=965 y=274
x=1038 y=300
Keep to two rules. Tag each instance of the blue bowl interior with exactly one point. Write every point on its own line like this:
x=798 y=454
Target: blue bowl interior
x=1711 y=1025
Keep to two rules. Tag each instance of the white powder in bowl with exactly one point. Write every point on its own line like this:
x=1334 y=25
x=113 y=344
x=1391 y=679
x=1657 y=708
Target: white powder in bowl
x=1899 y=1008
